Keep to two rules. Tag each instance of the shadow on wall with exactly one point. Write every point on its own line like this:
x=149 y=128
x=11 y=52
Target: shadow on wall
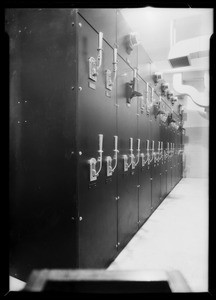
x=185 y=171
x=186 y=139
x=195 y=163
x=186 y=160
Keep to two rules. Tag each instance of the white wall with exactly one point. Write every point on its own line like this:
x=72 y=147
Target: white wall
x=196 y=142
x=196 y=138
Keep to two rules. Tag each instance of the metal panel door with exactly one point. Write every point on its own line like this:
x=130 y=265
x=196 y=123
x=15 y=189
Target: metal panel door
x=144 y=64
x=123 y=31
x=96 y=115
x=178 y=154
x=144 y=170
x=163 y=162
x=103 y=20
x=155 y=167
x=127 y=180
x=42 y=137
x=169 y=161
x=173 y=159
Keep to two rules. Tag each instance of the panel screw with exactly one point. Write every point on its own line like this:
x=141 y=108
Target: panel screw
x=80 y=218
x=18 y=102
x=72 y=88
x=80 y=89
x=25 y=121
x=80 y=24
x=80 y=152
x=72 y=218
x=72 y=24
x=18 y=122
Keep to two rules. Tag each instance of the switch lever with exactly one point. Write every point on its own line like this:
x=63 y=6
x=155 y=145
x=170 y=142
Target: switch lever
x=93 y=173
x=109 y=159
x=130 y=88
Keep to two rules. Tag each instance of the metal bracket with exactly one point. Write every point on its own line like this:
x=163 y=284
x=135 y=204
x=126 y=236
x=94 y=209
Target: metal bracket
x=133 y=163
x=92 y=163
x=109 y=165
x=125 y=158
x=142 y=104
x=92 y=69
x=108 y=80
x=142 y=159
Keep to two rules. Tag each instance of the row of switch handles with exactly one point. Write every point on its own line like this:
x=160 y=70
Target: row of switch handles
x=130 y=160
x=95 y=64
x=110 y=76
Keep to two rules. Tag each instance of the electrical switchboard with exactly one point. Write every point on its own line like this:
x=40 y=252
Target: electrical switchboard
x=94 y=147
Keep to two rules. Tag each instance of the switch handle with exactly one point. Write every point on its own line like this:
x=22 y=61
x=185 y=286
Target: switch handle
x=134 y=73
x=100 y=142
x=115 y=55
x=100 y=40
x=116 y=142
x=147 y=145
x=131 y=144
x=138 y=144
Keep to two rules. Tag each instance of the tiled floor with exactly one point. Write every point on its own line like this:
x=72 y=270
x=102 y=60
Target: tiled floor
x=175 y=237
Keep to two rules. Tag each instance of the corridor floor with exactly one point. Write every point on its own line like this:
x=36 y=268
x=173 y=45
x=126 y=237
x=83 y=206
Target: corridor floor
x=175 y=237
